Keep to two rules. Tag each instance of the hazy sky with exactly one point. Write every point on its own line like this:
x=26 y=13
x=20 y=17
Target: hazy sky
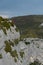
x=20 y=7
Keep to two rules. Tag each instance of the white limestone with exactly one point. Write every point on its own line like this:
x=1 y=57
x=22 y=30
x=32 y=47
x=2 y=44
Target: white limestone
x=32 y=51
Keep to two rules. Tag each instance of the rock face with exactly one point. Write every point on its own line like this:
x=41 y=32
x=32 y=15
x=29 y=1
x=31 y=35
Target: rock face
x=16 y=52
x=7 y=38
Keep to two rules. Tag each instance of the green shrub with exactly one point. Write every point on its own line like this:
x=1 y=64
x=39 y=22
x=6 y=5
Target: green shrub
x=14 y=53
x=15 y=59
x=16 y=29
x=16 y=41
x=4 y=30
x=21 y=54
x=11 y=43
x=11 y=24
x=21 y=61
x=7 y=47
x=0 y=56
x=1 y=19
x=36 y=62
x=27 y=43
x=5 y=24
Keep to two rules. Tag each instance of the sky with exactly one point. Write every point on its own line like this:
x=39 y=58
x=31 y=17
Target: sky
x=10 y=8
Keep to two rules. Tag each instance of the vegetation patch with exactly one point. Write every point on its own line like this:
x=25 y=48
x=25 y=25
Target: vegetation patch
x=21 y=61
x=36 y=62
x=27 y=43
x=29 y=25
x=11 y=24
x=16 y=29
x=0 y=56
x=5 y=24
x=21 y=54
x=14 y=54
x=7 y=47
x=15 y=59
x=16 y=41
x=11 y=43
x=4 y=30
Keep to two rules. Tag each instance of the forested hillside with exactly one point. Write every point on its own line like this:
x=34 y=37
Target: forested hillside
x=30 y=25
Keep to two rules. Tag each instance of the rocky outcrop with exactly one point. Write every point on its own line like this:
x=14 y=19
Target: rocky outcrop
x=16 y=52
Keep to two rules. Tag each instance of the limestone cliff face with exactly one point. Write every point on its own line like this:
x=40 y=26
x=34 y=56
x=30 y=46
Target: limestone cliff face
x=16 y=52
x=9 y=35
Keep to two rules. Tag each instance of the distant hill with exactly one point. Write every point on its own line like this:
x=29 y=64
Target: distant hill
x=29 y=25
